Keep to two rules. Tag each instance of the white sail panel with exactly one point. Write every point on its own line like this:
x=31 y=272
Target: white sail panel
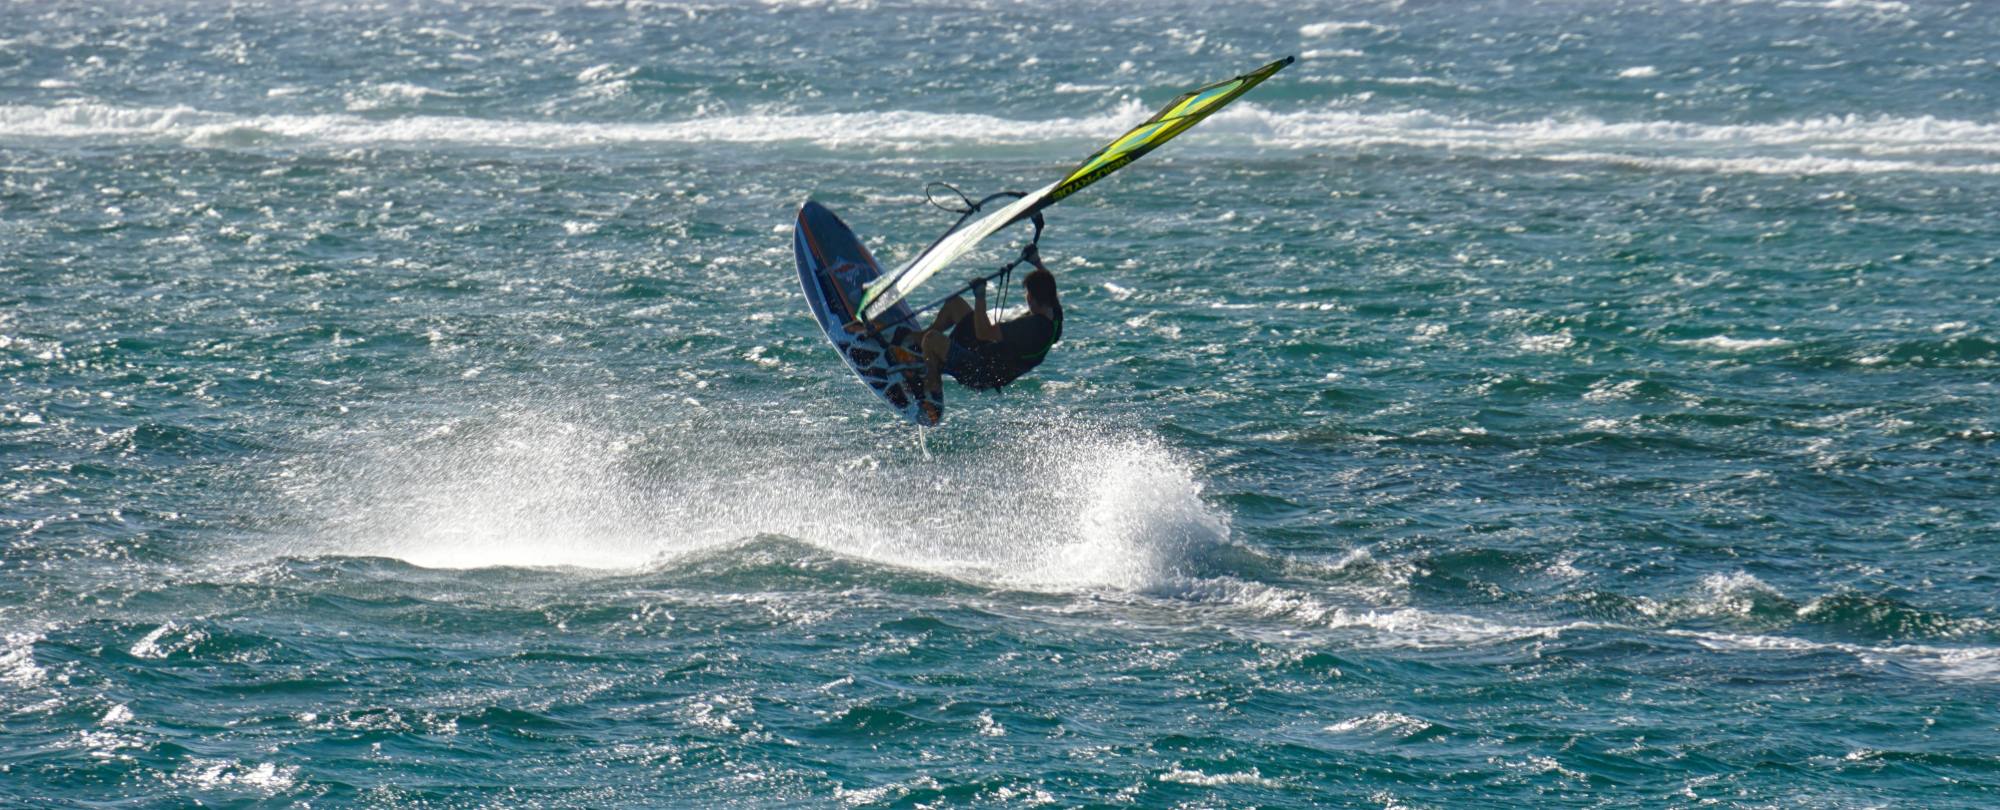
x=947 y=250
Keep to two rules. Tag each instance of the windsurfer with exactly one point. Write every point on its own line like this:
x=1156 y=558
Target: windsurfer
x=986 y=356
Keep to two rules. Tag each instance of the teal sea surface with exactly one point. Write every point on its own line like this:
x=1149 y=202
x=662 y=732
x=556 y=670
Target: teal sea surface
x=1533 y=403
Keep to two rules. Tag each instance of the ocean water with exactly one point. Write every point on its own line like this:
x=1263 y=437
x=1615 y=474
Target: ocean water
x=1556 y=404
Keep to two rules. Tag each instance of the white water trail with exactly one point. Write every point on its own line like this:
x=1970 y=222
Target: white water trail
x=1062 y=508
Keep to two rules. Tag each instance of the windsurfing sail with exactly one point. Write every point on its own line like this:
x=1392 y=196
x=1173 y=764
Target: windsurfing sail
x=1183 y=112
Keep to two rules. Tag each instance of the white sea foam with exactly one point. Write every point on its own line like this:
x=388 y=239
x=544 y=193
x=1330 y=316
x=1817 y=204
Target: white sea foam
x=1412 y=627
x=1327 y=29
x=1547 y=344
x=390 y=95
x=892 y=130
x=1607 y=391
x=1381 y=723
x=1416 y=628
x=1799 y=166
x=167 y=639
x=1824 y=145
x=1844 y=143
x=210 y=774
x=1882 y=7
x=1980 y=664
x=1837 y=144
x=1192 y=777
x=1639 y=72
x=17 y=660
x=1734 y=594
x=149 y=647
x=104 y=744
x=1724 y=343
x=604 y=73
x=1426 y=81
x=1385 y=627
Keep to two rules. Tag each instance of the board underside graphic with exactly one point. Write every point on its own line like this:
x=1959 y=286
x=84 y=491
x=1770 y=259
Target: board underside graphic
x=834 y=267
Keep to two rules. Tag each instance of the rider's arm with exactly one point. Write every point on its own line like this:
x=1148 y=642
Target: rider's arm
x=982 y=326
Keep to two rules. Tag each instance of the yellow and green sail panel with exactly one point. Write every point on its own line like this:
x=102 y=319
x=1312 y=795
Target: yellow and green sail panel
x=1174 y=119
x=1183 y=112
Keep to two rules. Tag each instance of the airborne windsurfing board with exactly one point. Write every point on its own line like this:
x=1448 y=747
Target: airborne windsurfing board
x=834 y=268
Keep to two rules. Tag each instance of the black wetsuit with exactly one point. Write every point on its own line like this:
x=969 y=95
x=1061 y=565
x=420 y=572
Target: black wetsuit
x=985 y=366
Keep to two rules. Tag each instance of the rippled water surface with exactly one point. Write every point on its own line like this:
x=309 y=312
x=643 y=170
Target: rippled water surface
x=1549 y=403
